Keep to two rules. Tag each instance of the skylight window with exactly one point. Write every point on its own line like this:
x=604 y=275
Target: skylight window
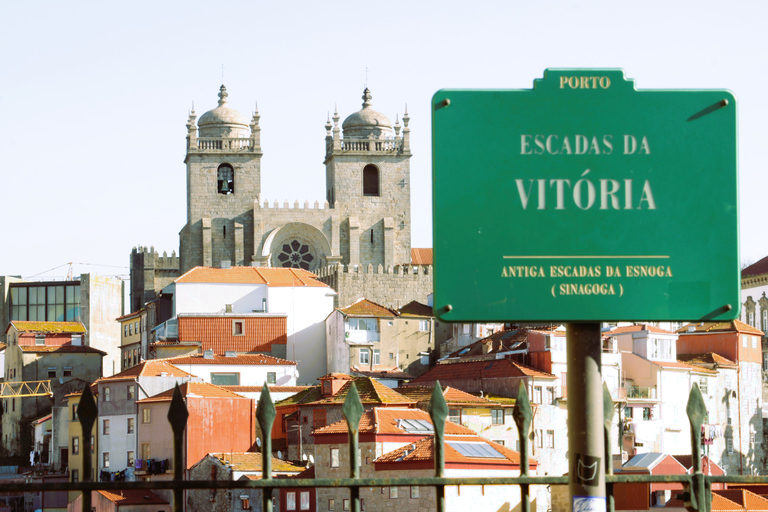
x=476 y=450
x=412 y=425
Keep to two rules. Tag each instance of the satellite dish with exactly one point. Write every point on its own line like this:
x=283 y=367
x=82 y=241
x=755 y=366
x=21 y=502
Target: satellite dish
x=304 y=457
x=296 y=374
x=258 y=442
x=312 y=459
x=279 y=454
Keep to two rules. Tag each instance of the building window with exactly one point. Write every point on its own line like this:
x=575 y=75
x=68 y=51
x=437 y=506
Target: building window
x=376 y=356
x=549 y=395
x=628 y=412
x=318 y=417
x=106 y=394
x=75 y=445
x=393 y=491
x=414 y=491
x=295 y=255
x=105 y=427
x=51 y=303
x=74 y=412
x=145 y=415
x=225 y=179
x=334 y=457
x=105 y=460
x=370 y=180
x=499 y=441
x=364 y=359
x=245 y=502
x=454 y=416
x=75 y=475
x=67 y=371
x=290 y=501
x=146 y=451
x=131 y=427
x=225 y=379
x=331 y=504
x=497 y=416
x=539 y=434
x=729 y=444
x=345 y=505
x=424 y=325
x=646 y=413
x=304 y=500
x=238 y=328
x=130 y=457
x=125 y=330
x=549 y=440
x=52 y=373
x=131 y=392
x=271 y=377
x=744 y=340
x=40 y=339
x=703 y=385
x=537 y=394
x=362 y=324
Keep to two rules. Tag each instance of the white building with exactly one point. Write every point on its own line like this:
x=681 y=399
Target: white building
x=238 y=369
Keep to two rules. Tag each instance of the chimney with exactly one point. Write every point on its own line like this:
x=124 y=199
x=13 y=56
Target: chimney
x=229 y=353
x=228 y=308
x=208 y=354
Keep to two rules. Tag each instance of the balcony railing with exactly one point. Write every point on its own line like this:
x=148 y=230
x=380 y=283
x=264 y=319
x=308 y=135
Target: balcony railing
x=640 y=393
x=697 y=485
x=223 y=144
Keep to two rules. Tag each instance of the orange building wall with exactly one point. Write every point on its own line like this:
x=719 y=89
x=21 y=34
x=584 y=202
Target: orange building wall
x=219 y=425
x=726 y=344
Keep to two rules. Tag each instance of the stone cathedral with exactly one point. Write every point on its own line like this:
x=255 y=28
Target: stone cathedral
x=358 y=241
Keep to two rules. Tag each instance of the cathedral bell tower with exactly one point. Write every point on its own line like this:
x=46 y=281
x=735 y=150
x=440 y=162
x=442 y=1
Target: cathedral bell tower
x=367 y=174
x=223 y=180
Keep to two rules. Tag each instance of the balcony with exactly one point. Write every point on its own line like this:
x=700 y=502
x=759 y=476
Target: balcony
x=640 y=393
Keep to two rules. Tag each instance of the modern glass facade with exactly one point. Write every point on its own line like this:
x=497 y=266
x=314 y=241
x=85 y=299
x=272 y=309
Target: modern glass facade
x=45 y=302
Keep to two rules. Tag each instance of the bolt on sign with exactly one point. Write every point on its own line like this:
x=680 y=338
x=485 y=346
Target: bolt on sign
x=585 y=199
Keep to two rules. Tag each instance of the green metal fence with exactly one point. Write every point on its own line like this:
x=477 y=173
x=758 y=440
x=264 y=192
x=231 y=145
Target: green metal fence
x=697 y=493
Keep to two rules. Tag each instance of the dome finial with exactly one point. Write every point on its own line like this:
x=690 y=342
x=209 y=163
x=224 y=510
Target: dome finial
x=222 y=95
x=367 y=98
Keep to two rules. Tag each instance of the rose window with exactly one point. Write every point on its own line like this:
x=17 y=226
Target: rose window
x=295 y=255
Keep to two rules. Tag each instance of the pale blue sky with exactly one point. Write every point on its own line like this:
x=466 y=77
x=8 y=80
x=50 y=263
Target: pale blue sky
x=94 y=97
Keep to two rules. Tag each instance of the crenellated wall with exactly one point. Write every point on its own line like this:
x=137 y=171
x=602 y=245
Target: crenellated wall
x=150 y=273
x=392 y=286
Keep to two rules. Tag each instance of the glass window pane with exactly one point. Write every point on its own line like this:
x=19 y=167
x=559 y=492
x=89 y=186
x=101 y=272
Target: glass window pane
x=52 y=295
x=60 y=295
x=59 y=313
x=33 y=314
x=22 y=295
x=32 y=292
x=52 y=313
x=14 y=295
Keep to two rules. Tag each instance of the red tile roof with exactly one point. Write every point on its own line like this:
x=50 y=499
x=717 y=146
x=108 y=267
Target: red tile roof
x=421 y=256
x=449 y=370
x=270 y=276
x=709 y=358
x=746 y=499
x=216 y=333
x=49 y=327
x=424 y=451
x=149 y=368
x=60 y=349
x=251 y=461
x=126 y=497
x=365 y=307
x=371 y=392
x=200 y=389
x=501 y=341
x=415 y=308
x=382 y=372
x=760 y=267
x=732 y=326
x=683 y=366
x=133 y=314
x=637 y=328
x=240 y=359
x=452 y=395
x=384 y=420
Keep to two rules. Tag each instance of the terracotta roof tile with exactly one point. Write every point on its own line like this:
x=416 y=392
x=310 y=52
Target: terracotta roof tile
x=61 y=349
x=240 y=359
x=746 y=499
x=125 y=497
x=251 y=461
x=382 y=373
x=501 y=341
x=270 y=276
x=415 y=308
x=424 y=452
x=202 y=389
x=272 y=389
x=337 y=376
x=149 y=368
x=130 y=315
x=308 y=474
x=449 y=370
x=216 y=333
x=365 y=307
x=684 y=366
x=755 y=269
x=384 y=420
x=707 y=358
x=637 y=328
x=732 y=326
x=371 y=392
x=451 y=395
x=421 y=256
x=49 y=327
x=307 y=396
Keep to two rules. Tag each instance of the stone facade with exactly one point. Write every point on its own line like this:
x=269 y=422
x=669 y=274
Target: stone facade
x=359 y=239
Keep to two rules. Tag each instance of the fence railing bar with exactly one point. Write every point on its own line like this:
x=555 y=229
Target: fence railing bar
x=523 y=416
x=438 y=412
x=265 y=415
x=608 y=424
x=87 y=413
x=177 y=417
x=353 y=411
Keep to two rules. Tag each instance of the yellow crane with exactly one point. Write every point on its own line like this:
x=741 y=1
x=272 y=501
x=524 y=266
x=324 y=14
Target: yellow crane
x=25 y=389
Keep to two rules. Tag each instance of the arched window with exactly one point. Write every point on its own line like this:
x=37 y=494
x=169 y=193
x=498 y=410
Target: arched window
x=370 y=180
x=225 y=177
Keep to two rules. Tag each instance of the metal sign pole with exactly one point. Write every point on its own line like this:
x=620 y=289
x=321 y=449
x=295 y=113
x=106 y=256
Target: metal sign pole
x=586 y=444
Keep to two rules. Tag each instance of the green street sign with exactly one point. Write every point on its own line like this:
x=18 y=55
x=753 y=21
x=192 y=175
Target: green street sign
x=584 y=199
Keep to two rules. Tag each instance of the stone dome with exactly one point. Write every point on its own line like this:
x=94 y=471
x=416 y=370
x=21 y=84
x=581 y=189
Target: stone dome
x=223 y=121
x=367 y=123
